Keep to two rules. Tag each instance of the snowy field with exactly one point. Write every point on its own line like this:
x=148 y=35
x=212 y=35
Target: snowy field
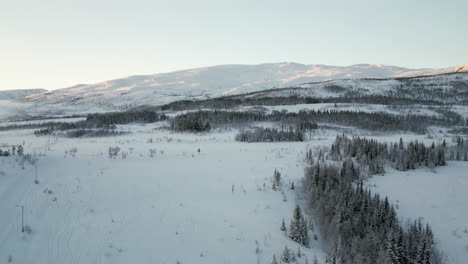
x=163 y=201
x=439 y=196
x=178 y=205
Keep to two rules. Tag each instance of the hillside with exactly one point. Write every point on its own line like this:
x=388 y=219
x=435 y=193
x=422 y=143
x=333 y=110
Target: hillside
x=208 y=82
x=442 y=88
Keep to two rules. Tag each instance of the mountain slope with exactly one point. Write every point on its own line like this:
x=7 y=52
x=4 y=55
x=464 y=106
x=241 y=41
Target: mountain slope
x=17 y=94
x=208 y=82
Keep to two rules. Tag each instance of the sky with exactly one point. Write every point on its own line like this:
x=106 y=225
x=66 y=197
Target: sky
x=56 y=44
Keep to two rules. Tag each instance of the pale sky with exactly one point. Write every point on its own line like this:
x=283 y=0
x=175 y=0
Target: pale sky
x=55 y=44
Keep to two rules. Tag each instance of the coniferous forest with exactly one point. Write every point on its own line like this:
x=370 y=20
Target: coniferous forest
x=362 y=227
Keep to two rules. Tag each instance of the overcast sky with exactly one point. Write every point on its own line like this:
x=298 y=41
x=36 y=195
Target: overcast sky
x=55 y=44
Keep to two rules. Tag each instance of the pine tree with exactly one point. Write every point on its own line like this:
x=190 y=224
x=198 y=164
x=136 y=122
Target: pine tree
x=390 y=250
x=277 y=178
x=207 y=126
x=441 y=158
x=424 y=253
x=283 y=226
x=337 y=256
x=305 y=233
x=430 y=158
x=311 y=225
x=286 y=255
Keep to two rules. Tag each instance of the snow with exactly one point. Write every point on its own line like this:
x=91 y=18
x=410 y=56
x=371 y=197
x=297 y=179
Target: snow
x=179 y=204
x=173 y=207
x=438 y=196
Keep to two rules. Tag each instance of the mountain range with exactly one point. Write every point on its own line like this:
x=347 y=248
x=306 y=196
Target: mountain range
x=209 y=82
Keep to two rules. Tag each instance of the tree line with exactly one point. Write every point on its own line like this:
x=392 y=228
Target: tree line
x=397 y=97
x=233 y=102
x=379 y=121
x=101 y=124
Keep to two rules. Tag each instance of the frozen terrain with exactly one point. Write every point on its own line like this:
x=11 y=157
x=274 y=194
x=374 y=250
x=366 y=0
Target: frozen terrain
x=161 y=200
x=197 y=197
x=176 y=206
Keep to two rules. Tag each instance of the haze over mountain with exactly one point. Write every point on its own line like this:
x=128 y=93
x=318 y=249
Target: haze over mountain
x=212 y=81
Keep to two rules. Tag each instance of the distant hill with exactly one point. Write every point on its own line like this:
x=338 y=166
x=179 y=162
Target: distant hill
x=17 y=94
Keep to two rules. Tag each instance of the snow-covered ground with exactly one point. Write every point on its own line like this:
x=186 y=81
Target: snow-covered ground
x=179 y=205
x=439 y=196
x=175 y=206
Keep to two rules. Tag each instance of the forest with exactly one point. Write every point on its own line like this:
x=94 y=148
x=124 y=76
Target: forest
x=361 y=227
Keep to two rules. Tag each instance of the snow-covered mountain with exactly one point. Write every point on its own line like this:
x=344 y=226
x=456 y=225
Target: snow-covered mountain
x=209 y=82
x=20 y=93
